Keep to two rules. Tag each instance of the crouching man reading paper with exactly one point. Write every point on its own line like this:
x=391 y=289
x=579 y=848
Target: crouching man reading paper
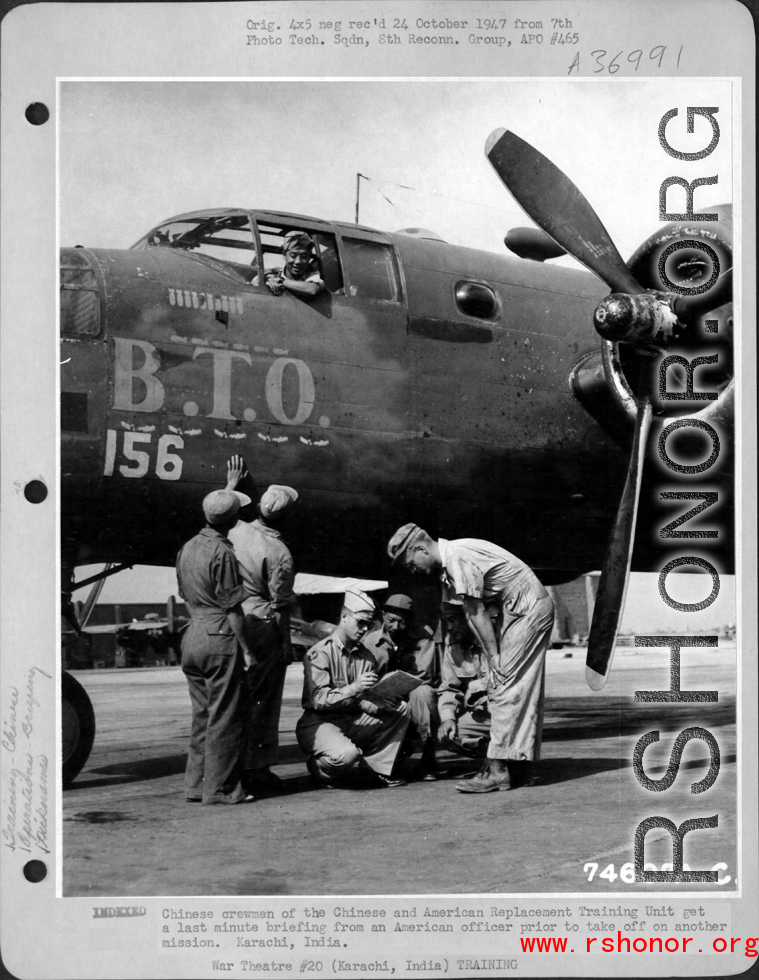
x=340 y=728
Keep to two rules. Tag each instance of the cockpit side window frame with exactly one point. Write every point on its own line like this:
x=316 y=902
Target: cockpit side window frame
x=372 y=238
x=318 y=230
x=227 y=267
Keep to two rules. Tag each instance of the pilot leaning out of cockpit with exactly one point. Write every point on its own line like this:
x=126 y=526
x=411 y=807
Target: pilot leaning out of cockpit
x=300 y=275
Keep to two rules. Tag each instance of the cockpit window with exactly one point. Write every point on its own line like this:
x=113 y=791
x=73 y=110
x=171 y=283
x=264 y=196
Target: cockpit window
x=225 y=238
x=80 y=301
x=272 y=238
x=372 y=270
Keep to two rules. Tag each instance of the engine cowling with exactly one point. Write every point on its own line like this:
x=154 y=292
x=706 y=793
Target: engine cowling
x=699 y=325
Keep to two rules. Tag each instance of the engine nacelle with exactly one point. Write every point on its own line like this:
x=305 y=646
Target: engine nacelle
x=689 y=266
x=635 y=327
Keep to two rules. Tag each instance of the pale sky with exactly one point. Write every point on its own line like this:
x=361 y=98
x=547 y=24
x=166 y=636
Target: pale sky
x=135 y=153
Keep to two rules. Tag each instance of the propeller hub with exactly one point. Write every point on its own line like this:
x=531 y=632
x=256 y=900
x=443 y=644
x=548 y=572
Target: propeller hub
x=634 y=319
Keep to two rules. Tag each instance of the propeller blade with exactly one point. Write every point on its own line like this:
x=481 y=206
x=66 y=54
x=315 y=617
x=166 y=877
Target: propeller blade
x=612 y=587
x=554 y=203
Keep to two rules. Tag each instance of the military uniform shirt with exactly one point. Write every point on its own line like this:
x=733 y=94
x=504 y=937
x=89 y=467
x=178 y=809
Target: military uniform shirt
x=485 y=571
x=328 y=669
x=208 y=577
x=382 y=648
x=464 y=671
x=210 y=584
x=281 y=272
x=416 y=654
x=266 y=567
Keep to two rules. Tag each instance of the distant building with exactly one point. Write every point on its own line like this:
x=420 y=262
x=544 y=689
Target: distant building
x=573 y=605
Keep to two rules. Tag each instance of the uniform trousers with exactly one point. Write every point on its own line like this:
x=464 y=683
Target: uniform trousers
x=336 y=741
x=471 y=729
x=266 y=683
x=217 y=692
x=423 y=707
x=516 y=683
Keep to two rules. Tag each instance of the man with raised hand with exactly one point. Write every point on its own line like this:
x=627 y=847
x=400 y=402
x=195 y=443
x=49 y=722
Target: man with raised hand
x=478 y=572
x=268 y=577
x=340 y=728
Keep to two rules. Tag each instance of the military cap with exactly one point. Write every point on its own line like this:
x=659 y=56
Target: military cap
x=301 y=238
x=401 y=603
x=402 y=538
x=275 y=500
x=453 y=603
x=221 y=506
x=358 y=601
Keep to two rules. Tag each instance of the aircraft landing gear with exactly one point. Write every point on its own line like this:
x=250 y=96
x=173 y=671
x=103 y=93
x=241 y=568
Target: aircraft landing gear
x=78 y=727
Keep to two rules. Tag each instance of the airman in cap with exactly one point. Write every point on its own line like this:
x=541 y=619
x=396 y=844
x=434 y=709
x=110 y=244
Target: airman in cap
x=385 y=640
x=482 y=574
x=394 y=648
x=401 y=603
x=400 y=541
x=268 y=576
x=340 y=728
x=357 y=601
x=413 y=549
x=215 y=653
x=221 y=506
x=275 y=501
x=300 y=275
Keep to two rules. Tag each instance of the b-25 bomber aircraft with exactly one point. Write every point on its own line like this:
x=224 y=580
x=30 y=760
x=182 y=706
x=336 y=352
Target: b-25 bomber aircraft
x=464 y=390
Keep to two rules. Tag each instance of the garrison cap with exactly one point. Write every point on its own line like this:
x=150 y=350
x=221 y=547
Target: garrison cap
x=401 y=540
x=275 y=500
x=301 y=238
x=358 y=601
x=400 y=603
x=221 y=506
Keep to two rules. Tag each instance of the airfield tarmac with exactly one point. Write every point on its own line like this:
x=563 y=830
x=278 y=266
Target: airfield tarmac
x=128 y=832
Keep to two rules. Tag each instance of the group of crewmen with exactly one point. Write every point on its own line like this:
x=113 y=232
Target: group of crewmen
x=479 y=692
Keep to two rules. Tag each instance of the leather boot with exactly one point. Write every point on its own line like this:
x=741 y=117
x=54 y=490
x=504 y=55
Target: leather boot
x=521 y=773
x=428 y=769
x=486 y=781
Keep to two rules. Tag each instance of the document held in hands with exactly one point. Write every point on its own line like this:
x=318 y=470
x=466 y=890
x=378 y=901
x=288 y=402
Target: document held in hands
x=395 y=684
